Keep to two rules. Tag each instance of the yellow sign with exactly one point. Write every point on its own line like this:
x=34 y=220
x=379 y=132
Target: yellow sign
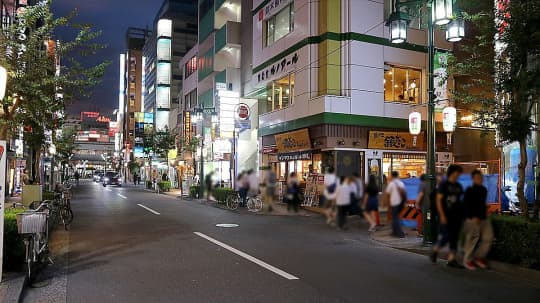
x=171 y=155
x=293 y=141
x=395 y=140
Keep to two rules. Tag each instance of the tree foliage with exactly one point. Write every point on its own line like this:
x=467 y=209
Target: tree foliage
x=65 y=145
x=44 y=73
x=498 y=74
x=160 y=142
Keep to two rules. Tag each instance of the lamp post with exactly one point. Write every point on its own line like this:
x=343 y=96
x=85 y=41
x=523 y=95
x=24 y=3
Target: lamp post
x=199 y=114
x=440 y=12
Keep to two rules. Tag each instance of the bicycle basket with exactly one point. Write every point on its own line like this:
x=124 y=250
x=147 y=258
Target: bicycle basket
x=31 y=223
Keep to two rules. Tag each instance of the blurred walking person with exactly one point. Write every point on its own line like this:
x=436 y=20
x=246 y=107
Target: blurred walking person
x=395 y=192
x=243 y=187
x=331 y=183
x=478 y=229
x=419 y=204
x=253 y=183
x=345 y=194
x=449 y=208
x=269 y=183
x=293 y=192
x=371 y=202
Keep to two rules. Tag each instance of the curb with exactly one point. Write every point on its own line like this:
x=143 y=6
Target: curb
x=13 y=288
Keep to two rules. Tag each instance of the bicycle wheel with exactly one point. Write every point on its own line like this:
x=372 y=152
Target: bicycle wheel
x=258 y=204
x=67 y=216
x=251 y=204
x=232 y=202
x=29 y=243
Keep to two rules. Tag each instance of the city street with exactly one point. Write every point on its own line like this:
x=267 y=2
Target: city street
x=130 y=245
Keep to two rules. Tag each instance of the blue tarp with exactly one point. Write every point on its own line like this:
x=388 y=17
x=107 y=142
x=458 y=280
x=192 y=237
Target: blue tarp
x=490 y=181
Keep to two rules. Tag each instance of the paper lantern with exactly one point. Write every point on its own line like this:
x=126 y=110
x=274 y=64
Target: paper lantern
x=415 y=123
x=3 y=82
x=449 y=119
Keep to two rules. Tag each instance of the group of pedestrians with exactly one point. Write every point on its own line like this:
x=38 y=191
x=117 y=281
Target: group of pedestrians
x=248 y=185
x=456 y=210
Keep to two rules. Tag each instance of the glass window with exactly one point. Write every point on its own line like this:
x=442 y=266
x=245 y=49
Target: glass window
x=402 y=84
x=190 y=67
x=279 y=25
x=279 y=94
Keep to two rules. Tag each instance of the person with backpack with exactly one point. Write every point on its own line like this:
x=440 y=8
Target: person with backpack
x=397 y=196
x=330 y=186
x=449 y=209
x=269 y=183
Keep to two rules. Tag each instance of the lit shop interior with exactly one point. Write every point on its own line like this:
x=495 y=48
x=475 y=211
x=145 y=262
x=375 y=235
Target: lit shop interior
x=407 y=164
x=279 y=94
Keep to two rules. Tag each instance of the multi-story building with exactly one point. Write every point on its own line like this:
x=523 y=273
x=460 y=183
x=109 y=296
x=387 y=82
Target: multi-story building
x=131 y=91
x=175 y=32
x=229 y=146
x=333 y=91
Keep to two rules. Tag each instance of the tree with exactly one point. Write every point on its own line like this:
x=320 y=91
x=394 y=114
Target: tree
x=65 y=147
x=163 y=141
x=44 y=74
x=503 y=75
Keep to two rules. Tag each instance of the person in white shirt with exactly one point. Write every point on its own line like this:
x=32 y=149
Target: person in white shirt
x=395 y=192
x=331 y=183
x=345 y=190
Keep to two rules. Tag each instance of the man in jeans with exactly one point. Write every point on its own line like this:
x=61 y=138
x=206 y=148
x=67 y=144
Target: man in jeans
x=478 y=230
x=395 y=193
x=449 y=209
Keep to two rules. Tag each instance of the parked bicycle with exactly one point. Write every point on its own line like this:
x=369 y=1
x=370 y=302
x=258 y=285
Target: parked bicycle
x=33 y=224
x=254 y=203
x=63 y=202
x=233 y=200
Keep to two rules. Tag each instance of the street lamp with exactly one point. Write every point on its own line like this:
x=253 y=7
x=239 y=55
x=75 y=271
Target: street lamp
x=442 y=13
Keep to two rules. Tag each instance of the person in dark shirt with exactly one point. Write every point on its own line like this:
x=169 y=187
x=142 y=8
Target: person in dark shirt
x=449 y=209
x=478 y=230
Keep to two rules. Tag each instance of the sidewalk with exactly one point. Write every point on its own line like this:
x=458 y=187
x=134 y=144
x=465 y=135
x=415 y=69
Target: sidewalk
x=413 y=243
x=279 y=209
x=12 y=287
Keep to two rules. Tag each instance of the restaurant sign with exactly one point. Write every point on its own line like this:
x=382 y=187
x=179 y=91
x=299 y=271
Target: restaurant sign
x=394 y=140
x=294 y=156
x=293 y=141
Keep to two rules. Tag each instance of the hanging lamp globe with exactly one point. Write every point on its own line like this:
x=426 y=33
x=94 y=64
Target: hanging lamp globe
x=449 y=119
x=455 y=30
x=398 y=23
x=442 y=11
x=415 y=123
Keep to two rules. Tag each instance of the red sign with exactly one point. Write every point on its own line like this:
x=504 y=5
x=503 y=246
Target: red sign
x=243 y=111
x=89 y=115
x=1 y=151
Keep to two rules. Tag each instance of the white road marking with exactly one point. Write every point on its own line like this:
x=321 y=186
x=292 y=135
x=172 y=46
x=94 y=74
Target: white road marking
x=122 y=196
x=149 y=209
x=108 y=189
x=248 y=257
x=227 y=225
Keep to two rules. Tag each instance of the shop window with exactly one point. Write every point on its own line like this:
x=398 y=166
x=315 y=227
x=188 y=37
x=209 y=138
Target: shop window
x=407 y=165
x=279 y=25
x=279 y=94
x=402 y=84
x=190 y=66
x=190 y=100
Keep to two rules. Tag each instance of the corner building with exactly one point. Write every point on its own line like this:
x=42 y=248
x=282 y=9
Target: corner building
x=333 y=91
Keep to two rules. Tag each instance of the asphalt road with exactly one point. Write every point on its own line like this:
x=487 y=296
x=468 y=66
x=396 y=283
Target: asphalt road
x=128 y=245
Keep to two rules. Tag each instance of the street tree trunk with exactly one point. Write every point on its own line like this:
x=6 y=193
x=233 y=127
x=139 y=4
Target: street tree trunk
x=36 y=164
x=521 y=181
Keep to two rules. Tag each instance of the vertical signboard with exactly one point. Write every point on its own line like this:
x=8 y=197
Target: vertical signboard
x=440 y=80
x=3 y=156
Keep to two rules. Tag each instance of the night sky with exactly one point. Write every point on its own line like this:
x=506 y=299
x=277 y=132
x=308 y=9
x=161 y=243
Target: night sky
x=112 y=17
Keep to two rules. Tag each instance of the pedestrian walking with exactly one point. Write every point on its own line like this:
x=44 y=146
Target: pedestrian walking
x=356 y=198
x=478 y=229
x=209 y=184
x=135 y=178
x=371 y=202
x=331 y=183
x=253 y=183
x=346 y=192
x=449 y=209
x=269 y=182
x=293 y=192
x=243 y=187
x=419 y=204
x=77 y=176
x=397 y=196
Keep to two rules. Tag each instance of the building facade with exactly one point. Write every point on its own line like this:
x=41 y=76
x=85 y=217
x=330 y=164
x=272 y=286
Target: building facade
x=333 y=91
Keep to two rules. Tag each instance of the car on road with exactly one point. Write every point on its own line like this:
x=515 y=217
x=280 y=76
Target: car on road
x=111 y=178
x=98 y=175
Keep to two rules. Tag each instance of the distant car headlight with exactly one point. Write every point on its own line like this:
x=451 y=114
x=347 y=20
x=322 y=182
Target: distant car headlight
x=106 y=179
x=119 y=179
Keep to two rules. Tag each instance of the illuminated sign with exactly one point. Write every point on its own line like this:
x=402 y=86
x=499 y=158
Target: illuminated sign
x=163 y=95
x=164 y=49
x=164 y=73
x=164 y=28
x=227 y=103
x=122 y=89
x=162 y=119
